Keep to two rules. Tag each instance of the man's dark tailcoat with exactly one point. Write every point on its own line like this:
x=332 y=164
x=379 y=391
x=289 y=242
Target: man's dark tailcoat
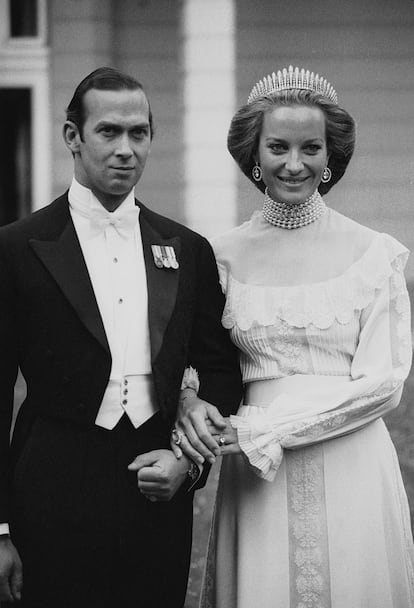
x=77 y=517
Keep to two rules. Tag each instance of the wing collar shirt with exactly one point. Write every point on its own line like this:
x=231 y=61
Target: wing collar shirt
x=112 y=247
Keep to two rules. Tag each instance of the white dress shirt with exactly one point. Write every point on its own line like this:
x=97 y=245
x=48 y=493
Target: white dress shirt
x=117 y=271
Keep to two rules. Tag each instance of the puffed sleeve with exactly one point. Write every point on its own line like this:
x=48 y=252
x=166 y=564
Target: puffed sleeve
x=328 y=407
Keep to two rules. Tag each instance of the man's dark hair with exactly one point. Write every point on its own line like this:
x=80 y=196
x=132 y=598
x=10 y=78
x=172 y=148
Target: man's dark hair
x=103 y=79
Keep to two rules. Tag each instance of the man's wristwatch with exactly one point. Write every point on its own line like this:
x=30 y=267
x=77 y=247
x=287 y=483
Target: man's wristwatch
x=193 y=471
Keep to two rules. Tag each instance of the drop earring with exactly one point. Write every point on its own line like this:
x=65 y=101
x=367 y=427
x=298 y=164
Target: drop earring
x=257 y=173
x=326 y=175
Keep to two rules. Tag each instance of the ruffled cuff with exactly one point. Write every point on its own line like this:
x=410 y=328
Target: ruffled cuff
x=260 y=444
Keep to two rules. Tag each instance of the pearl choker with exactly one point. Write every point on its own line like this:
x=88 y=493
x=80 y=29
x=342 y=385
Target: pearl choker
x=291 y=215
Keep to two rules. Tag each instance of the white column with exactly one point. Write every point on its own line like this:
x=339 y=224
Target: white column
x=209 y=104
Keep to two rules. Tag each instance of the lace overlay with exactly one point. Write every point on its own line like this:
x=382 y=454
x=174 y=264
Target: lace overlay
x=319 y=426
x=367 y=341
x=280 y=345
x=310 y=582
x=322 y=363
x=401 y=302
x=318 y=304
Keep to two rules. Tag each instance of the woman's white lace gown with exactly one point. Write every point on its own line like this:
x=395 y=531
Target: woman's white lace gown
x=314 y=513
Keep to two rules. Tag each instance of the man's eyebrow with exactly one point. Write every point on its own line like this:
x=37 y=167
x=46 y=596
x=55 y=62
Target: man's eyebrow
x=106 y=123
x=116 y=125
x=142 y=125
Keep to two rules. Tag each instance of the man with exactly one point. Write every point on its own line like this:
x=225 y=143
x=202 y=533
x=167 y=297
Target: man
x=103 y=305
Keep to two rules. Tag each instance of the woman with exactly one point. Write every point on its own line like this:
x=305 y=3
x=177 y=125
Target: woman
x=311 y=511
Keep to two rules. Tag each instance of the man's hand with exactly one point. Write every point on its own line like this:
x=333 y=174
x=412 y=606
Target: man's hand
x=11 y=574
x=160 y=474
x=197 y=442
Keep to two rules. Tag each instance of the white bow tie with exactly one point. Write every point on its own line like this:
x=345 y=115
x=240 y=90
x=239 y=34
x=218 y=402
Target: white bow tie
x=124 y=221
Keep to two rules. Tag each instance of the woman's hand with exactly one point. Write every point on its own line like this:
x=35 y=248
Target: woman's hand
x=225 y=437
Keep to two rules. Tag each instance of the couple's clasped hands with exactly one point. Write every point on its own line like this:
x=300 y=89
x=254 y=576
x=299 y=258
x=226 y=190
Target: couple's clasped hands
x=201 y=432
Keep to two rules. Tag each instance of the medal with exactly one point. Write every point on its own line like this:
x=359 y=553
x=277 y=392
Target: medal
x=164 y=257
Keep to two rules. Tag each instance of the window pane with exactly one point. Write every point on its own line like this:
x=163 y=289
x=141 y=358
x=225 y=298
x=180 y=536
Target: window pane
x=15 y=154
x=23 y=18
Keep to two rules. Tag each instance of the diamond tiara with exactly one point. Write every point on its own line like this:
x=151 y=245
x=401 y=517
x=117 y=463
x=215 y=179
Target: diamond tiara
x=293 y=78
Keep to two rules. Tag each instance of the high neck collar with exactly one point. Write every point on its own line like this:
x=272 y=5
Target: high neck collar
x=83 y=200
x=293 y=215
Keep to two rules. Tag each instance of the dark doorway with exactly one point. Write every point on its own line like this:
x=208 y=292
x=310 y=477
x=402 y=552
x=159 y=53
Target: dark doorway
x=23 y=18
x=15 y=154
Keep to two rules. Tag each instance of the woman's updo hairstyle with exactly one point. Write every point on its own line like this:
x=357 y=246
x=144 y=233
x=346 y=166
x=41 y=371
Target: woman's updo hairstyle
x=246 y=126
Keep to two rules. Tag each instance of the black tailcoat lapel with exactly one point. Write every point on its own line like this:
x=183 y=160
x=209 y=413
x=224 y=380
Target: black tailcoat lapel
x=64 y=260
x=162 y=284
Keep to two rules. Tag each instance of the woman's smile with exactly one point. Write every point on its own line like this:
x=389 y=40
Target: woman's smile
x=292 y=152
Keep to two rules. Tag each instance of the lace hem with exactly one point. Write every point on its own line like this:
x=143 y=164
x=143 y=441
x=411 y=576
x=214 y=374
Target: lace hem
x=318 y=304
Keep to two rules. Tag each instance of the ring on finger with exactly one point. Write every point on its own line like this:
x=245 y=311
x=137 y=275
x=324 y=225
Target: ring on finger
x=222 y=440
x=177 y=436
